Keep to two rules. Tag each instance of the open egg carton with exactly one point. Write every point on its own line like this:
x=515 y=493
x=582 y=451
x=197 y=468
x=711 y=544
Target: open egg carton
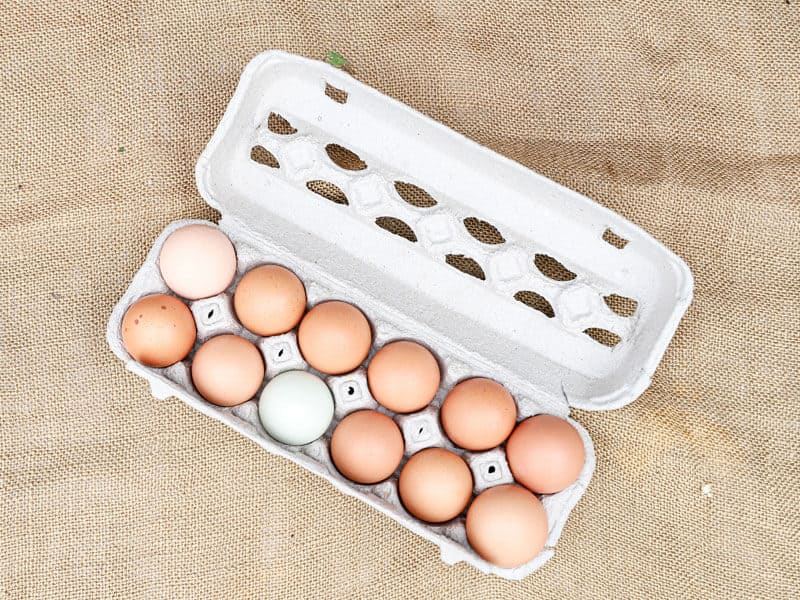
x=501 y=272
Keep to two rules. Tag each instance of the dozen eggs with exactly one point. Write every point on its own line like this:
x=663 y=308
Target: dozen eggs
x=506 y=524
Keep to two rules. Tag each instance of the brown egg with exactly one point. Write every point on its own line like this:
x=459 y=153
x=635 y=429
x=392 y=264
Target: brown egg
x=435 y=485
x=403 y=376
x=158 y=330
x=507 y=525
x=269 y=300
x=227 y=370
x=545 y=454
x=478 y=414
x=367 y=446
x=334 y=337
x=197 y=261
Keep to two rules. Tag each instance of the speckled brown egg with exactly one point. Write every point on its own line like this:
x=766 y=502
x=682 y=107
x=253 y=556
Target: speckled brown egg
x=158 y=330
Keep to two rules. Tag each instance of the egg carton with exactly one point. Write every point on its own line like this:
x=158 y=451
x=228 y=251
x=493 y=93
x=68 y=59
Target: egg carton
x=501 y=272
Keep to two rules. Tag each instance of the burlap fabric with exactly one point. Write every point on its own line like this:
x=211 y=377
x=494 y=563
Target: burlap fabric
x=684 y=117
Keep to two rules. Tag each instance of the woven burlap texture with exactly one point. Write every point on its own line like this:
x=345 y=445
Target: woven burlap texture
x=684 y=117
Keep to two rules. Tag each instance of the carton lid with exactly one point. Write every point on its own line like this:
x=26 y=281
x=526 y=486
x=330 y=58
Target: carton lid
x=542 y=284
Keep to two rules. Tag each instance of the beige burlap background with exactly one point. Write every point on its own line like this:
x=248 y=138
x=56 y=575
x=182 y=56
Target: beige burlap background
x=684 y=117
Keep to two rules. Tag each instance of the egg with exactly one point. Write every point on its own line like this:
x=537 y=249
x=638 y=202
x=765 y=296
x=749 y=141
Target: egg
x=269 y=300
x=545 y=454
x=296 y=407
x=367 y=446
x=334 y=337
x=478 y=414
x=403 y=376
x=227 y=370
x=158 y=330
x=197 y=261
x=507 y=525
x=435 y=485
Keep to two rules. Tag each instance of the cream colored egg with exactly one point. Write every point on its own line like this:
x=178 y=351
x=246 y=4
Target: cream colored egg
x=197 y=261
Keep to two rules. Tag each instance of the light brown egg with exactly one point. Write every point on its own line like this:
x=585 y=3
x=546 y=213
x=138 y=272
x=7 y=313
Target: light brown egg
x=158 y=330
x=403 y=376
x=269 y=300
x=545 y=454
x=227 y=370
x=478 y=414
x=435 y=485
x=367 y=446
x=507 y=525
x=197 y=261
x=334 y=337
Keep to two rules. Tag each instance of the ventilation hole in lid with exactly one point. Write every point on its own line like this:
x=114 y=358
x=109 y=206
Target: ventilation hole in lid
x=491 y=469
x=280 y=352
x=351 y=390
x=327 y=190
x=335 y=93
x=603 y=336
x=344 y=158
x=397 y=227
x=263 y=156
x=210 y=314
x=483 y=231
x=615 y=240
x=414 y=195
x=465 y=264
x=278 y=124
x=550 y=267
x=623 y=306
x=535 y=301
x=420 y=431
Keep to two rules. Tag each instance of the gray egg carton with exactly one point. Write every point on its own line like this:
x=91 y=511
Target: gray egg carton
x=549 y=277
